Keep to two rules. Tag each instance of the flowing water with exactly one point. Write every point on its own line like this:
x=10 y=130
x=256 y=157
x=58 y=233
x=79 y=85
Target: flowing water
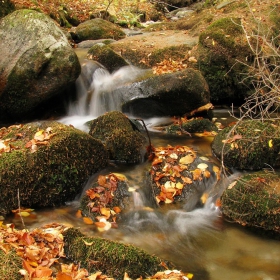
x=199 y=241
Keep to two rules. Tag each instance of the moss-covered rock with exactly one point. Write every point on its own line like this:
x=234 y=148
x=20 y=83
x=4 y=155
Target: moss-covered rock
x=47 y=163
x=107 y=57
x=193 y=126
x=110 y=257
x=37 y=65
x=249 y=145
x=98 y=29
x=120 y=136
x=220 y=45
x=254 y=201
x=11 y=263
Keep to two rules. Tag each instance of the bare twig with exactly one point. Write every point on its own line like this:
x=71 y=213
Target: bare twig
x=19 y=212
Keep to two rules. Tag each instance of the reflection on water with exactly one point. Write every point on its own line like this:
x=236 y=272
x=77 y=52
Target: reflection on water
x=200 y=241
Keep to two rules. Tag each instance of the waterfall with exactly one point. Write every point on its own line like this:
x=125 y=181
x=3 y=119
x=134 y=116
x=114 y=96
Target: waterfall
x=95 y=86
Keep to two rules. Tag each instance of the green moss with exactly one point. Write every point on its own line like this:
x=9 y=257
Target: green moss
x=54 y=173
x=253 y=150
x=254 y=201
x=11 y=263
x=111 y=257
x=121 y=137
x=220 y=45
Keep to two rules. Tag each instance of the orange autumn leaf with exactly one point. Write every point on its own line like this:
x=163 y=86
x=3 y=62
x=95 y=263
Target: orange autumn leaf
x=106 y=212
x=79 y=214
x=87 y=220
x=117 y=209
x=30 y=270
x=63 y=276
x=207 y=174
x=100 y=224
x=197 y=174
x=27 y=239
x=102 y=180
x=42 y=272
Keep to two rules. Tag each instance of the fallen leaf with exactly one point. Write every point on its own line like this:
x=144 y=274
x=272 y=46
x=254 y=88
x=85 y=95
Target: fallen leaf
x=88 y=221
x=188 y=159
x=231 y=185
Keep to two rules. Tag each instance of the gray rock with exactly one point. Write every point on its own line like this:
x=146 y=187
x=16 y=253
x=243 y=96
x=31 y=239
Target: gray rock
x=36 y=64
x=172 y=94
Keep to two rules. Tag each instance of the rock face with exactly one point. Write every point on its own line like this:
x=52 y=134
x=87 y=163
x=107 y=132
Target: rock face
x=170 y=94
x=47 y=162
x=120 y=136
x=37 y=64
x=97 y=29
x=251 y=145
x=254 y=201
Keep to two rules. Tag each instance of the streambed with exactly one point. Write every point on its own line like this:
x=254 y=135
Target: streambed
x=200 y=241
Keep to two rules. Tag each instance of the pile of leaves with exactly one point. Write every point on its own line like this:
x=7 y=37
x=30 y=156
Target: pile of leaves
x=40 y=251
x=103 y=203
x=175 y=169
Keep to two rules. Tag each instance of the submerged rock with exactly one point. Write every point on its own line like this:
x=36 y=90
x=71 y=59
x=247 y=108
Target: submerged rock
x=254 y=201
x=250 y=145
x=37 y=65
x=47 y=163
x=120 y=136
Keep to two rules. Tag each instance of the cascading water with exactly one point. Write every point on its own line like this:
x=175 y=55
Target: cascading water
x=94 y=91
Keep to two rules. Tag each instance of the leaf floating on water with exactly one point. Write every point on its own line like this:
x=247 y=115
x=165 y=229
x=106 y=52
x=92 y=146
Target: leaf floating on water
x=204 y=158
x=121 y=177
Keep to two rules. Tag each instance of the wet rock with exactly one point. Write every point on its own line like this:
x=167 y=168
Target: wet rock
x=253 y=201
x=192 y=126
x=37 y=65
x=47 y=163
x=250 y=145
x=120 y=136
x=178 y=175
x=171 y=94
x=90 y=43
x=98 y=29
x=103 y=54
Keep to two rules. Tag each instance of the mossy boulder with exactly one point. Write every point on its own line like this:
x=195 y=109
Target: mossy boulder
x=6 y=7
x=110 y=257
x=250 y=145
x=192 y=126
x=254 y=201
x=11 y=263
x=98 y=29
x=37 y=65
x=120 y=136
x=107 y=57
x=220 y=46
x=47 y=163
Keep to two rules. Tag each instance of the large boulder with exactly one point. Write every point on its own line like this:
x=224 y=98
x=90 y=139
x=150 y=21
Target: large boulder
x=120 y=136
x=97 y=29
x=171 y=94
x=37 y=64
x=250 y=145
x=220 y=46
x=47 y=163
x=254 y=201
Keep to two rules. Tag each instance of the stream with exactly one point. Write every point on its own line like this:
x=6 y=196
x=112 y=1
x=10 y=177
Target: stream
x=201 y=241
